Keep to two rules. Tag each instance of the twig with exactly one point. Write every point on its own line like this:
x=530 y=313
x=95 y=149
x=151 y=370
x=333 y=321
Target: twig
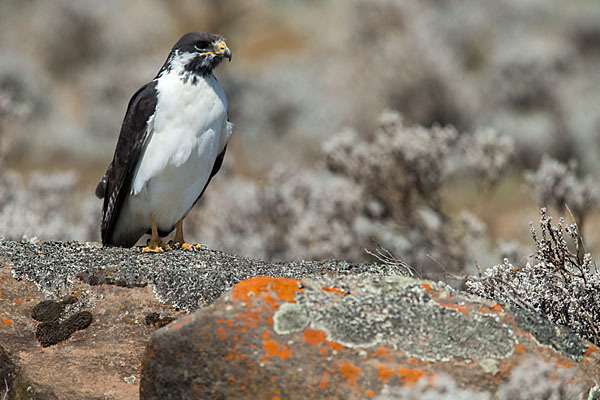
x=580 y=242
x=385 y=256
x=594 y=330
x=7 y=390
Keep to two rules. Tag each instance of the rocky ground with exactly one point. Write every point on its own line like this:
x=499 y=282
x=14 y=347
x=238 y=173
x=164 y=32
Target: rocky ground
x=79 y=321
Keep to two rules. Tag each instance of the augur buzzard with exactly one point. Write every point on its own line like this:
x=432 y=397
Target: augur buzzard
x=172 y=142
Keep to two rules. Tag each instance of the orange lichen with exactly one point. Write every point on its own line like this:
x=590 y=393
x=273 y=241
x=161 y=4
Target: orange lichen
x=460 y=308
x=383 y=353
x=519 y=348
x=333 y=290
x=271 y=301
x=235 y=355
x=496 y=308
x=410 y=376
x=350 y=373
x=180 y=323
x=370 y=394
x=564 y=364
x=284 y=288
x=250 y=318
x=385 y=374
x=221 y=333
x=17 y=301
x=274 y=349
x=590 y=350
x=6 y=321
x=314 y=337
x=335 y=345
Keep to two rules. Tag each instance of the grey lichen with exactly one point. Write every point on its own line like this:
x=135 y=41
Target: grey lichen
x=398 y=310
x=289 y=318
x=560 y=338
x=187 y=280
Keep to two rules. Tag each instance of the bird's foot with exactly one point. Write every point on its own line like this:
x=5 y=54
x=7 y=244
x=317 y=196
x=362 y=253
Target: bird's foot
x=156 y=247
x=188 y=247
x=182 y=246
x=200 y=246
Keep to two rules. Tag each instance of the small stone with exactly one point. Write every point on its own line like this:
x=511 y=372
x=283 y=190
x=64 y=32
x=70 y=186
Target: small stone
x=47 y=311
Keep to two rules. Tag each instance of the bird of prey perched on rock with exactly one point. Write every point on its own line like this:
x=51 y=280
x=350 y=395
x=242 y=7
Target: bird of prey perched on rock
x=172 y=142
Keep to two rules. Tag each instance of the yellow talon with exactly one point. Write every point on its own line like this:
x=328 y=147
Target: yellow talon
x=156 y=245
x=153 y=248
x=186 y=246
x=179 y=237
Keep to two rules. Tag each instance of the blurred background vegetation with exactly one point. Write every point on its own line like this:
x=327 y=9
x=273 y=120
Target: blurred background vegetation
x=433 y=128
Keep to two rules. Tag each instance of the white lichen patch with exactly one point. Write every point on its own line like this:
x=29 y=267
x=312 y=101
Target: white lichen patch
x=290 y=318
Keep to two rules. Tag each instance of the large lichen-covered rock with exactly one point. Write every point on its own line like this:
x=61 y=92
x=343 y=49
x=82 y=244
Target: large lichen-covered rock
x=75 y=317
x=357 y=338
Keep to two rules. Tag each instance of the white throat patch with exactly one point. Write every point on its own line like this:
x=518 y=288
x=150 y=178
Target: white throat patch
x=177 y=63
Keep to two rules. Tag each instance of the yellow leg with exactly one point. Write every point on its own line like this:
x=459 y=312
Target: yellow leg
x=179 y=237
x=156 y=245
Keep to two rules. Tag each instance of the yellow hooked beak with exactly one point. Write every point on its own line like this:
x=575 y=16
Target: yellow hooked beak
x=222 y=50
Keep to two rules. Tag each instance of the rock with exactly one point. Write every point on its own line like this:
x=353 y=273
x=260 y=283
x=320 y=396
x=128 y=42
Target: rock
x=187 y=280
x=83 y=353
x=75 y=317
x=385 y=337
x=75 y=320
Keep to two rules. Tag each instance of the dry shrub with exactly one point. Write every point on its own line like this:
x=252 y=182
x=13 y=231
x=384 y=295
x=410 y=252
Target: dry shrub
x=563 y=285
x=557 y=184
x=387 y=190
x=10 y=111
x=46 y=205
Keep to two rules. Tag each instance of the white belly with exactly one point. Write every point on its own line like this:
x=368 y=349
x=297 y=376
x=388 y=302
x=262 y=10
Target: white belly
x=188 y=132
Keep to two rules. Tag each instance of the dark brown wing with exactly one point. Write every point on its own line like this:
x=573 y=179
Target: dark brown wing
x=116 y=182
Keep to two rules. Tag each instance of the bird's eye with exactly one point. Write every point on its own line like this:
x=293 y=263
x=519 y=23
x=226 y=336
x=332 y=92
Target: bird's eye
x=200 y=46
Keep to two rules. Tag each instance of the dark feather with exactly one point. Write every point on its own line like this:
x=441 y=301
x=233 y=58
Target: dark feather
x=101 y=188
x=116 y=182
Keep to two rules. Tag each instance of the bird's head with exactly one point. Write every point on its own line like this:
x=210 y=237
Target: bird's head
x=198 y=53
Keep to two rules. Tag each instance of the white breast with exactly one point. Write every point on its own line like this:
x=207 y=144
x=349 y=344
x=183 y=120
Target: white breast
x=187 y=133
